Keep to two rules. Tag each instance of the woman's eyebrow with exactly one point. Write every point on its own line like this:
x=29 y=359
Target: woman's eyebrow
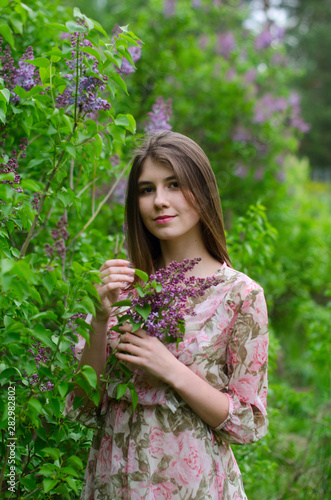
x=170 y=178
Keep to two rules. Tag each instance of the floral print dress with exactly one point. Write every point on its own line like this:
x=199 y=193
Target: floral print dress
x=163 y=450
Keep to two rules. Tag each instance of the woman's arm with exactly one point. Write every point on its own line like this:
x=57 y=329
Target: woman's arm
x=149 y=353
x=115 y=276
x=239 y=414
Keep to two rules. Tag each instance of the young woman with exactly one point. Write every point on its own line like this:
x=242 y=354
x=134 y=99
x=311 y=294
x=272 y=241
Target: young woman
x=196 y=399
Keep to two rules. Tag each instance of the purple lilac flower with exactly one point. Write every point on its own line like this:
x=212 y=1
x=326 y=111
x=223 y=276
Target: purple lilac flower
x=263 y=40
x=203 y=41
x=241 y=134
x=258 y=174
x=168 y=297
x=250 y=76
x=267 y=106
x=35 y=201
x=59 y=235
x=230 y=74
x=114 y=160
x=296 y=120
x=12 y=166
x=126 y=67
x=41 y=356
x=226 y=43
x=23 y=76
x=120 y=191
x=73 y=326
x=159 y=116
x=267 y=36
x=241 y=171
x=89 y=87
x=169 y=8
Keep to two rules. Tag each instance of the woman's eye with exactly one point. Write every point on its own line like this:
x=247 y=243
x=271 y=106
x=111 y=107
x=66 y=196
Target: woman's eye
x=146 y=190
x=174 y=185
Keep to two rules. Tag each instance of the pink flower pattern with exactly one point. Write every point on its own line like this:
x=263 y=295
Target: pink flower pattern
x=164 y=450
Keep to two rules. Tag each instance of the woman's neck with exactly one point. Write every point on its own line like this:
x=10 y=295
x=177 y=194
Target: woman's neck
x=172 y=251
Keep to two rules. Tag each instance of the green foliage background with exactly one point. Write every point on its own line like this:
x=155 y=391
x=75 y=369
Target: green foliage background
x=276 y=219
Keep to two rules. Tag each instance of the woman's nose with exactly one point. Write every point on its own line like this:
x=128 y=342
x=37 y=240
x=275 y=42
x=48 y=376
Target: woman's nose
x=161 y=199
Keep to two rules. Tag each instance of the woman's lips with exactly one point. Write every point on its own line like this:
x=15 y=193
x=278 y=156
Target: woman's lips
x=164 y=219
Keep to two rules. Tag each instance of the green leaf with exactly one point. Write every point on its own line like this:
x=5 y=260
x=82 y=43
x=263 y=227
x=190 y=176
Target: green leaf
x=49 y=484
x=6 y=32
x=49 y=281
x=45 y=315
x=142 y=275
x=22 y=94
x=73 y=27
x=52 y=452
x=75 y=462
x=57 y=26
x=70 y=148
x=89 y=374
x=121 y=303
x=16 y=21
x=121 y=390
x=88 y=305
x=144 y=311
x=43 y=334
x=63 y=388
x=72 y=483
x=98 y=27
x=92 y=52
x=114 y=58
x=40 y=62
x=5 y=95
x=36 y=405
x=8 y=373
x=119 y=80
x=97 y=145
x=134 y=395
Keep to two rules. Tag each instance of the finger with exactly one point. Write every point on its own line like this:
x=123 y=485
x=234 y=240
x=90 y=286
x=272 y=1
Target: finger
x=115 y=263
x=126 y=328
x=117 y=278
x=110 y=287
x=128 y=348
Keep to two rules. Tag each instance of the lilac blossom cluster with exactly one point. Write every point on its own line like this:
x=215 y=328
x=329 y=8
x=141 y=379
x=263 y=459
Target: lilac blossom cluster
x=59 y=235
x=159 y=116
x=135 y=52
x=296 y=120
x=226 y=43
x=167 y=294
x=89 y=87
x=73 y=326
x=12 y=166
x=41 y=355
x=23 y=76
x=269 y=35
x=268 y=105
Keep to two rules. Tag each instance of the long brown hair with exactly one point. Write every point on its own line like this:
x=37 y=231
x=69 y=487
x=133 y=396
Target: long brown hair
x=195 y=176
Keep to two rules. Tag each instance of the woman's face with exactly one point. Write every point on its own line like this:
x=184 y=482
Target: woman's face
x=162 y=205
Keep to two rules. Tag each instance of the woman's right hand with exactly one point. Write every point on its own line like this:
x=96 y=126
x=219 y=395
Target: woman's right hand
x=116 y=275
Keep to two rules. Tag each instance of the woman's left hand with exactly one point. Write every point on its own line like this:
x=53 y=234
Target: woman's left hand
x=140 y=349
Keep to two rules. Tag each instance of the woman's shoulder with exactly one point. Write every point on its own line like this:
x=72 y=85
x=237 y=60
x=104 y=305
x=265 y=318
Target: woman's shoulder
x=236 y=282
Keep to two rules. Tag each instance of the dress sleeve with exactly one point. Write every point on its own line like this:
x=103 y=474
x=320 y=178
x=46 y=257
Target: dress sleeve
x=247 y=362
